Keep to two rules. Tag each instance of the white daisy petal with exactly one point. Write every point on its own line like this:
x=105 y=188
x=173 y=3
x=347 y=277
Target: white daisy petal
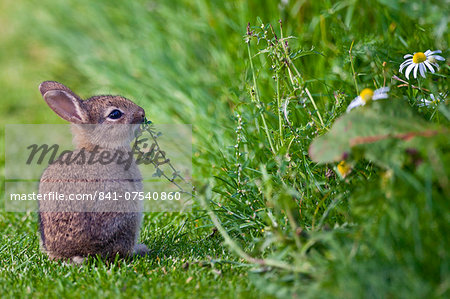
x=434 y=101
x=424 y=102
x=436 y=52
x=380 y=96
x=407 y=55
x=408 y=70
x=355 y=103
x=428 y=65
x=427 y=52
x=422 y=70
x=437 y=57
x=382 y=90
x=411 y=72
x=404 y=64
x=415 y=70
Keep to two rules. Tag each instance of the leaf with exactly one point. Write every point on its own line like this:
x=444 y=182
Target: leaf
x=141 y=140
x=383 y=130
x=158 y=173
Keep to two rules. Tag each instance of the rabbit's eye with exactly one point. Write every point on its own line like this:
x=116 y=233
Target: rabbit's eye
x=115 y=114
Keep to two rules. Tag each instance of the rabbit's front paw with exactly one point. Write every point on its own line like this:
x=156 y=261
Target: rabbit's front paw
x=74 y=261
x=140 y=250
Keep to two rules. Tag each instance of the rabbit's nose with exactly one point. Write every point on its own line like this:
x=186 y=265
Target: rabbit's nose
x=139 y=116
x=141 y=112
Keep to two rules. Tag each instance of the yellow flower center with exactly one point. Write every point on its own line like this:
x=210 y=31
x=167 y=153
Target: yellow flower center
x=366 y=95
x=344 y=169
x=419 y=57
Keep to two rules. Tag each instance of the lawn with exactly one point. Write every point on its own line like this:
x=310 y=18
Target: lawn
x=295 y=196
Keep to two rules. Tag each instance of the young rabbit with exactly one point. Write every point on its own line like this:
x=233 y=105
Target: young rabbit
x=73 y=230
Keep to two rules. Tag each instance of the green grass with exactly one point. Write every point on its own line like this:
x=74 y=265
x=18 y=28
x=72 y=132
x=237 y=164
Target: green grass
x=288 y=225
x=179 y=265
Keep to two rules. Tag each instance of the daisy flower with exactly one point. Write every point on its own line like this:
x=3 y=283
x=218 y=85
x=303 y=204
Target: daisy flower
x=434 y=100
x=368 y=95
x=420 y=61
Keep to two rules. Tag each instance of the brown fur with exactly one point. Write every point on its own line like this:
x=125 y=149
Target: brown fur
x=74 y=230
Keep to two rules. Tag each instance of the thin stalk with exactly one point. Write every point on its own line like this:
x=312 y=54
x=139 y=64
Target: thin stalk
x=353 y=68
x=290 y=143
x=317 y=210
x=258 y=103
x=294 y=227
x=290 y=63
x=280 y=123
x=407 y=84
x=315 y=106
x=147 y=128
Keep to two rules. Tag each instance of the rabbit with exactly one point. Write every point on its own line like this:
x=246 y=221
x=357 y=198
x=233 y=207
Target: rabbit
x=72 y=230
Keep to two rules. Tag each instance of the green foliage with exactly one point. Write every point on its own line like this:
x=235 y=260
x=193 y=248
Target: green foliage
x=319 y=233
x=383 y=132
x=401 y=227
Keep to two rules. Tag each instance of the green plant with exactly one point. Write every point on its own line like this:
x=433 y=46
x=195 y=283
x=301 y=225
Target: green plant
x=314 y=229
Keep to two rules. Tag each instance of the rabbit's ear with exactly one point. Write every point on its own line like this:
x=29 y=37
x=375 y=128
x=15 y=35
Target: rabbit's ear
x=53 y=85
x=66 y=105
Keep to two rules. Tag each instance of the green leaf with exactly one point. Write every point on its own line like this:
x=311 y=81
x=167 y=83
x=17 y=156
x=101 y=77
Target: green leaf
x=158 y=173
x=381 y=131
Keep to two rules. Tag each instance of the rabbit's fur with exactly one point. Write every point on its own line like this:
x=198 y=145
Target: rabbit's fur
x=74 y=230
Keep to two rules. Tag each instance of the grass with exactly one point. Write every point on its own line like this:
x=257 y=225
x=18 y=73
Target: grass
x=179 y=265
x=289 y=224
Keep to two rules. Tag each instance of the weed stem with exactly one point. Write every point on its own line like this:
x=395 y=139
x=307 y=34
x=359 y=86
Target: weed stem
x=258 y=101
x=290 y=63
x=315 y=106
x=280 y=123
x=353 y=68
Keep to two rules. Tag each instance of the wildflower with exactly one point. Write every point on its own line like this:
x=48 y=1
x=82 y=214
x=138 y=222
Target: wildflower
x=420 y=61
x=368 y=95
x=434 y=100
x=344 y=169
